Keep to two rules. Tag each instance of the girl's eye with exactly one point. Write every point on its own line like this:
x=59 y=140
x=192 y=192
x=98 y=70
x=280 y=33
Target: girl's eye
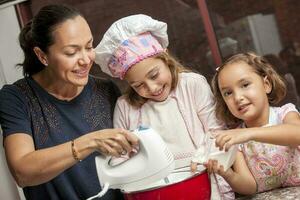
x=137 y=86
x=154 y=76
x=226 y=93
x=245 y=85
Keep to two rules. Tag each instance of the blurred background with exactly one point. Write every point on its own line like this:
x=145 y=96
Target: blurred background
x=202 y=34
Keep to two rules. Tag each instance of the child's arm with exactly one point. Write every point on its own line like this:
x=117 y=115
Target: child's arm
x=287 y=134
x=119 y=118
x=238 y=177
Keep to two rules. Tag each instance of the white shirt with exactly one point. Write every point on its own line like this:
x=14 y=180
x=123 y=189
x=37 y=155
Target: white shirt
x=165 y=118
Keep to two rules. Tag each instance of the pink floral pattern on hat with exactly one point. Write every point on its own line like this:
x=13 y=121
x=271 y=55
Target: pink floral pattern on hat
x=132 y=51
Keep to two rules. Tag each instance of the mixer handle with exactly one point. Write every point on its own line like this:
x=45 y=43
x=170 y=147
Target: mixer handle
x=115 y=161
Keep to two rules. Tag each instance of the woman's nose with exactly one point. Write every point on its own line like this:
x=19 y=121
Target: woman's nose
x=85 y=58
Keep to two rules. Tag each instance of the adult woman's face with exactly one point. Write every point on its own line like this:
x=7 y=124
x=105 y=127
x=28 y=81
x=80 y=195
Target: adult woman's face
x=71 y=56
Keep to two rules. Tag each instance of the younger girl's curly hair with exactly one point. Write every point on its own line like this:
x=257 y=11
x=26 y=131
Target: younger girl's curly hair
x=261 y=67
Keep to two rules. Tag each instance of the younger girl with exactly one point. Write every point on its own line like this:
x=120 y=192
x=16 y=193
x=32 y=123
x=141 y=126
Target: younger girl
x=246 y=88
x=163 y=95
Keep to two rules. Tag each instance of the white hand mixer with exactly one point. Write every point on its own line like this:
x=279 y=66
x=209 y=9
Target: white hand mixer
x=153 y=162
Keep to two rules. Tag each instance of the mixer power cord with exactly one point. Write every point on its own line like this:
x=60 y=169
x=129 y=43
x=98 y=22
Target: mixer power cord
x=101 y=193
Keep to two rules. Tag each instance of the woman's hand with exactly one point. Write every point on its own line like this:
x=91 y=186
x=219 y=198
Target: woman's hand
x=50 y=162
x=114 y=142
x=226 y=138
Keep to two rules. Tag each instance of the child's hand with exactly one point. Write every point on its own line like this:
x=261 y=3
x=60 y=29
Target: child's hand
x=194 y=167
x=213 y=167
x=226 y=138
x=200 y=156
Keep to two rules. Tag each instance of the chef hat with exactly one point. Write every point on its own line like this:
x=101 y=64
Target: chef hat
x=129 y=41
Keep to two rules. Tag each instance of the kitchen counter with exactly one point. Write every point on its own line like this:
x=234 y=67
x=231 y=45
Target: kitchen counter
x=289 y=193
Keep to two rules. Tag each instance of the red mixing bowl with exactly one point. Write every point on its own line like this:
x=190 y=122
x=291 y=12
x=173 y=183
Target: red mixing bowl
x=190 y=187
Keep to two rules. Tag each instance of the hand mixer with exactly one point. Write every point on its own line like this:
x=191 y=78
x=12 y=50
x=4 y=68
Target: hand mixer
x=153 y=162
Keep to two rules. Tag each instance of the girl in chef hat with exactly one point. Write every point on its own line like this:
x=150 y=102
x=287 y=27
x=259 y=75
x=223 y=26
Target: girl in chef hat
x=164 y=95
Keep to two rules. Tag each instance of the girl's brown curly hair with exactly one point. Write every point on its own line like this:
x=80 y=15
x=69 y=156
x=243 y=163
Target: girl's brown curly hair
x=260 y=66
x=175 y=67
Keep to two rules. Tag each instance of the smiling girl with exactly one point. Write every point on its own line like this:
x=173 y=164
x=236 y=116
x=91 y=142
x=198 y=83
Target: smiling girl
x=247 y=89
x=175 y=102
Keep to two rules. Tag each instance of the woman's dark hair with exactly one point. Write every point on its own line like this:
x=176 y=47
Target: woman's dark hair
x=38 y=33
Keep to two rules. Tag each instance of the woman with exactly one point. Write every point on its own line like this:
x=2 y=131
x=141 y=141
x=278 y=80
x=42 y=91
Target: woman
x=57 y=116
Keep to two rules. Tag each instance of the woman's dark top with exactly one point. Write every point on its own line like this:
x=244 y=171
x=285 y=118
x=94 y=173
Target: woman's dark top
x=25 y=107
